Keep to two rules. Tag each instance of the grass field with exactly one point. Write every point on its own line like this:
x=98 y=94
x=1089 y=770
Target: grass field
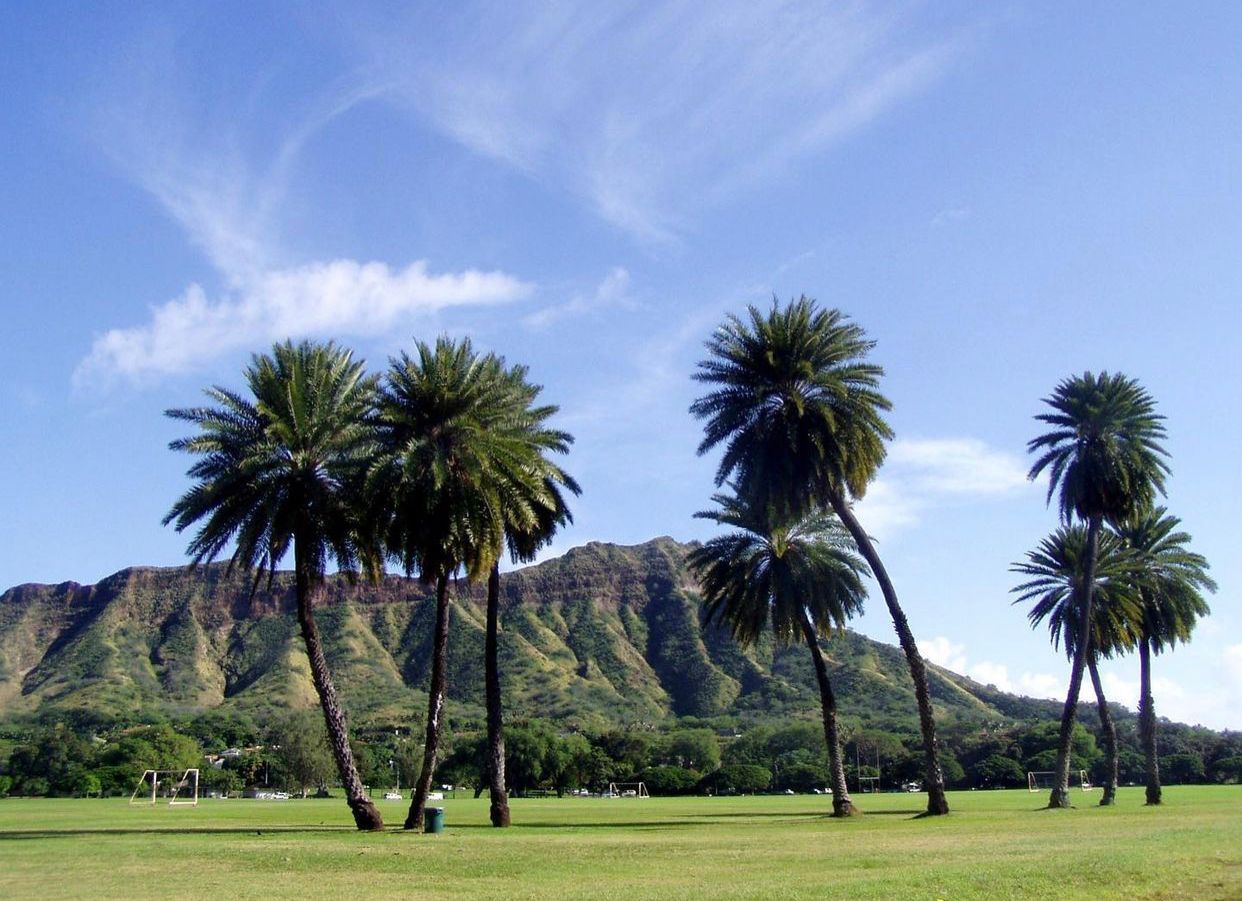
x=995 y=845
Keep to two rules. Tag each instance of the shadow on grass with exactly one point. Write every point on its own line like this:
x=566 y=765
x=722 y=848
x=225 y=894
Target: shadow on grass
x=686 y=822
x=20 y=834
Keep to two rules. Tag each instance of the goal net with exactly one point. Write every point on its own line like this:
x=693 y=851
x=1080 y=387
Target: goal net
x=627 y=790
x=180 y=787
x=1043 y=780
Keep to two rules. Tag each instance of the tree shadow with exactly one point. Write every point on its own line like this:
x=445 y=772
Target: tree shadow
x=20 y=834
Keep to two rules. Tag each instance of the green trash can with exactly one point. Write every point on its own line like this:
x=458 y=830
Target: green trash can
x=433 y=819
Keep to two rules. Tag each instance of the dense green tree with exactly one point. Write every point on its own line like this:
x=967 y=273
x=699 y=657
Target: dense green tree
x=629 y=750
x=669 y=780
x=1171 y=584
x=1185 y=769
x=1040 y=746
x=225 y=781
x=692 y=749
x=276 y=470
x=999 y=771
x=302 y=747
x=801 y=775
x=797 y=409
x=800 y=576
x=1227 y=769
x=738 y=779
x=50 y=762
x=1056 y=588
x=1104 y=463
x=532 y=756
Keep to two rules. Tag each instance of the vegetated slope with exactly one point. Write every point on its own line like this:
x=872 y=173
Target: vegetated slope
x=603 y=635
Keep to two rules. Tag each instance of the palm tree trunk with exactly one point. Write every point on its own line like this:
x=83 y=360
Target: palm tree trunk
x=842 y=805
x=937 y=803
x=1147 y=722
x=495 y=714
x=1059 y=797
x=435 y=706
x=309 y=584
x=1110 y=734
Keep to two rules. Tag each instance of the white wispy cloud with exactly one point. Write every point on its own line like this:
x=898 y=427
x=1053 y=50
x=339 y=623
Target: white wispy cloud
x=920 y=475
x=342 y=297
x=944 y=652
x=612 y=292
x=952 y=656
x=653 y=111
x=1217 y=707
x=231 y=204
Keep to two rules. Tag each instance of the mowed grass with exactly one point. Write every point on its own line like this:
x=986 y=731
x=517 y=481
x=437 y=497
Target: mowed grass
x=994 y=845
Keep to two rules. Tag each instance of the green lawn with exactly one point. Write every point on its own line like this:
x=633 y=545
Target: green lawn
x=995 y=845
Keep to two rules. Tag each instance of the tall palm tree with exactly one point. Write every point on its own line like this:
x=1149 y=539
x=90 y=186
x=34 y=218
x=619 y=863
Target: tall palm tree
x=797 y=408
x=1172 y=580
x=1056 y=587
x=452 y=451
x=801 y=576
x=276 y=471
x=533 y=508
x=1104 y=462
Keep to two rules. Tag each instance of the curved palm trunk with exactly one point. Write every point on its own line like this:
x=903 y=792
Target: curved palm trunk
x=495 y=714
x=309 y=585
x=1060 y=787
x=1147 y=723
x=435 y=706
x=842 y=805
x=937 y=803
x=1110 y=734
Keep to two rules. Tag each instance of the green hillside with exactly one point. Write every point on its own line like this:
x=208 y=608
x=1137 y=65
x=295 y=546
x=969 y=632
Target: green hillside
x=603 y=635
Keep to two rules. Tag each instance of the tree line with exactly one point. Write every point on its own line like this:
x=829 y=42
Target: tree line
x=291 y=753
x=445 y=462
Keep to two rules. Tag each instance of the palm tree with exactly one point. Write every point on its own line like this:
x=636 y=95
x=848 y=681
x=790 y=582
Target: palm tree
x=533 y=509
x=800 y=575
x=1104 y=462
x=452 y=453
x=797 y=408
x=1171 y=583
x=1056 y=587
x=276 y=471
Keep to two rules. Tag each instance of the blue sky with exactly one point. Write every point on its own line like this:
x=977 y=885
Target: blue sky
x=1001 y=194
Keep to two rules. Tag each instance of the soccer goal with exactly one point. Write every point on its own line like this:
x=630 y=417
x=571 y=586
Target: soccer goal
x=1042 y=780
x=627 y=790
x=180 y=787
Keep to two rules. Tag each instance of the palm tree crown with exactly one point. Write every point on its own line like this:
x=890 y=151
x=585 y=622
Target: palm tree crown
x=777 y=571
x=1103 y=455
x=794 y=403
x=279 y=465
x=1057 y=569
x=1171 y=577
x=455 y=467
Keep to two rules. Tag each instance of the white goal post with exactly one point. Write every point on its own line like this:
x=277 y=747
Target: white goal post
x=179 y=786
x=627 y=790
x=1042 y=780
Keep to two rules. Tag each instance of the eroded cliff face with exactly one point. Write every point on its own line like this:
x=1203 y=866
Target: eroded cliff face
x=603 y=632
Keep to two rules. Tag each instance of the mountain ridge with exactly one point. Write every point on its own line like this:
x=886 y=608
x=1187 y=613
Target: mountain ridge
x=605 y=633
